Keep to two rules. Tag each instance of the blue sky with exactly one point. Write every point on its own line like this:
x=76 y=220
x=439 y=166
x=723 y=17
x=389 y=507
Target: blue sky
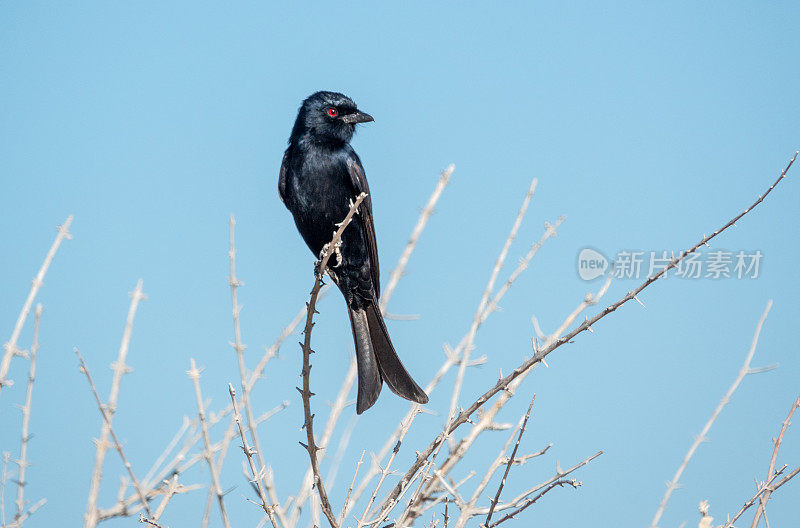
x=647 y=125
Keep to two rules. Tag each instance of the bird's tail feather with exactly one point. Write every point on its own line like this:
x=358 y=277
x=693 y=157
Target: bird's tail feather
x=369 y=378
x=391 y=368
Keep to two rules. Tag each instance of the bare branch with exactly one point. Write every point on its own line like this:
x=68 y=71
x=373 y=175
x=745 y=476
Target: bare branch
x=427 y=211
x=167 y=450
x=539 y=356
x=468 y=512
x=386 y=469
x=120 y=368
x=478 y=317
x=525 y=499
x=127 y=506
x=771 y=471
x=532 y=500
x=117 y=445
x=306 y=393
x=24 y=517
x=487 y=419
x=271 y=351
x=743 y=371
x=339 y=405
x=3 y=479
x=248 y=451
x=10 y=348
x=350 y=490
x=22 y=462
x=208 y=452
x=234 y=283
x=508 y=466
x=454 y=358
x=762 y=489
x=172 y=487
x=550 y=230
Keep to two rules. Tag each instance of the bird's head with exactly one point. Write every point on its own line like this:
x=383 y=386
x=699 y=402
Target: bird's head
x=328 y=116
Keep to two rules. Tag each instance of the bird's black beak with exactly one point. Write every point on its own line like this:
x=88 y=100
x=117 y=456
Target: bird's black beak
x=357 y=117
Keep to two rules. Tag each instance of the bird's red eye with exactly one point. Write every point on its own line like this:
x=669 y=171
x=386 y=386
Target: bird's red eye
x=333 y=112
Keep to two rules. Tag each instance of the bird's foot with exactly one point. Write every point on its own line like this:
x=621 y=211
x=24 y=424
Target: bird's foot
x=337 y=252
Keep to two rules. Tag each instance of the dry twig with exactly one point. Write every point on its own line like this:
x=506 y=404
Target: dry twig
x=453 y=357
x=478 y=317
x=117 y=445
x=540 y=354
x=3 y=479
x=248 y=451
x=426 y=213
x=487 y=419
x=91 y=517
x=208 y=452
x=350 y=490
x=761 y=490
x=771 y=473
x=338 y=406
x=234 y=283
x=22 y=462
x=306 y=393
x=508 y=465
x=743 y=371
x=10 y=348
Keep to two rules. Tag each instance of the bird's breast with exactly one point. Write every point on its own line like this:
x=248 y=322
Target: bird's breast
x=319 y=192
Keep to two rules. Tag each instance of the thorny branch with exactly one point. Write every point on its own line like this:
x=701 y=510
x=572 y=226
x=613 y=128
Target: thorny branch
x=374 y=468
x=208 y=452
x=762 y=507
x=22 y=462
x=119 y=367
x=234 y=283
x=427 y=211
x=508 y=465
x=423 y=469
x=306 y=393
x=333 y=417
x=540 y=354
x=117 y=445
x=3 y=479
x=248 y=451
x=771 y=485
x=10 y=348
x=743 y=371
x=454 y=358
x=478 y=317
x=487 y=419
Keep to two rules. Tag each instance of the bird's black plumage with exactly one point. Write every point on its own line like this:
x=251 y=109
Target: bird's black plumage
x=320 y=176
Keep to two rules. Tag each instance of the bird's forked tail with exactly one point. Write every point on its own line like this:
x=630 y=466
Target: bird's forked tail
x=377 y=359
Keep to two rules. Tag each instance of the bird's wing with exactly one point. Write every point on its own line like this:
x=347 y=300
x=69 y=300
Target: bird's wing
x=359 y=181
x=282 y=177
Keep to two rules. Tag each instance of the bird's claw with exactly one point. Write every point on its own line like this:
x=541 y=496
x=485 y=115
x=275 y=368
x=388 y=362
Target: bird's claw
x=337 y=252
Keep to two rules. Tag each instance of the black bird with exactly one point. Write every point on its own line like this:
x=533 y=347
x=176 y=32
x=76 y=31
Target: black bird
x=320 y=177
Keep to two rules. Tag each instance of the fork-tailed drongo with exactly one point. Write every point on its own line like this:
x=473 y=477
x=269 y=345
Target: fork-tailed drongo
x=320 y=177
